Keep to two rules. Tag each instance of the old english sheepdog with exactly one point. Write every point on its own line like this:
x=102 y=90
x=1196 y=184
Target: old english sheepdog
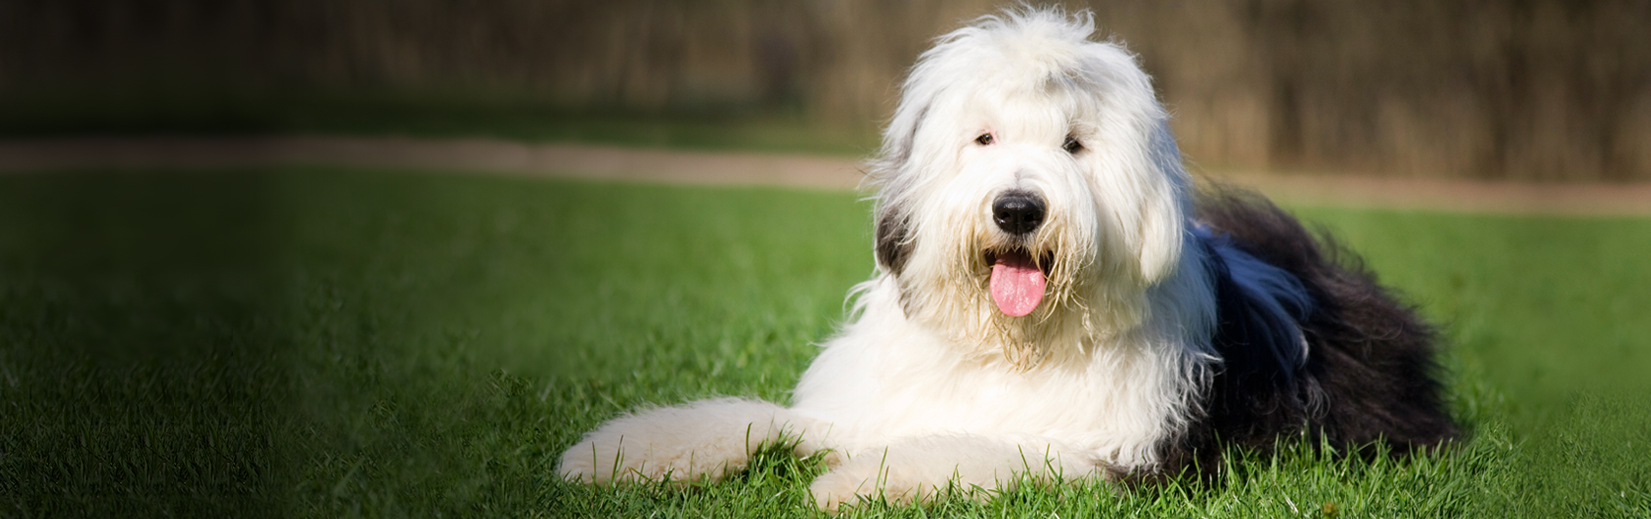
x=1054 y=300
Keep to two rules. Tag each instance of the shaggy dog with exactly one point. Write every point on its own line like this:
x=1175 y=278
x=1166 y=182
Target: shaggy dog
x=1051 y=303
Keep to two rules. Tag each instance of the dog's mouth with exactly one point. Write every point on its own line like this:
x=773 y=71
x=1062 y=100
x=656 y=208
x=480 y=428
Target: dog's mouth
x=1018 y=282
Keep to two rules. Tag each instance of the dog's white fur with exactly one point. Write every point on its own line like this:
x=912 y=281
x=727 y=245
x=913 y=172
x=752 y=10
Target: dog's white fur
x=931 y=385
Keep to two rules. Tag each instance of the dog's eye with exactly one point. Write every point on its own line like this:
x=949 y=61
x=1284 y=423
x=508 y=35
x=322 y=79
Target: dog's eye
x=1072 y=145
x=985 y=139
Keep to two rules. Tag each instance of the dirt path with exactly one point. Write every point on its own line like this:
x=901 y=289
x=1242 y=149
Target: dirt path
x=732 y=168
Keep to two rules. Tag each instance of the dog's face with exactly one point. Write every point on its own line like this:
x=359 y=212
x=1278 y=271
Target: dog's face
x=1029 y=187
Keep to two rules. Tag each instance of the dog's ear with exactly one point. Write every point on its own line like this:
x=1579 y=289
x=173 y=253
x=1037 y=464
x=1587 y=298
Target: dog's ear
x=898 y=140
x=893 y=222
x=1164 y=214
x=894 y=245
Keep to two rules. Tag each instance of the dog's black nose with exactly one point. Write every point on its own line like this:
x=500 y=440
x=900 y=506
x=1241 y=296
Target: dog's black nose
x=1018 y=213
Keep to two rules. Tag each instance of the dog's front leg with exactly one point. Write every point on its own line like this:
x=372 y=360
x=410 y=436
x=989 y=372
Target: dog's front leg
x=711 y=438
x=918 y=468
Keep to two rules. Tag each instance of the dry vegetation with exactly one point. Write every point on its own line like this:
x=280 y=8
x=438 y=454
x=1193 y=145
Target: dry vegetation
x=1533 y=89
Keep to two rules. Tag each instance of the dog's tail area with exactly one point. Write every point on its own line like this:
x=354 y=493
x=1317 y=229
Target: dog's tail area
x=1370 y=373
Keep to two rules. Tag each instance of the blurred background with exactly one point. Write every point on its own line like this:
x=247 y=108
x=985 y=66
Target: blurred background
x=199 y=320
x=1545 y=90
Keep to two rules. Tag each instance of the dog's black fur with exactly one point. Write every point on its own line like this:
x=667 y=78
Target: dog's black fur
x=894 y=244
x=1369 y=375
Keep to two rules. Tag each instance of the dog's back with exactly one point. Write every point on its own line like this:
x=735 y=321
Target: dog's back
x=1369 y=374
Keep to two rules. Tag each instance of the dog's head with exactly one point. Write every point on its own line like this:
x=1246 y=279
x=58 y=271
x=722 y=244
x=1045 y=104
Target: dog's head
x=1028 y=185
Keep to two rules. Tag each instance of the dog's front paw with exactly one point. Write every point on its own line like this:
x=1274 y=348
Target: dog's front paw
x=919 y=469
x=705 y=439
x=607 y=458
x=844 y=485
x=870 y=477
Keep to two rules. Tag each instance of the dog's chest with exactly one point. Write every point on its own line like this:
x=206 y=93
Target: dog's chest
x=887 y=397
x=991 y=398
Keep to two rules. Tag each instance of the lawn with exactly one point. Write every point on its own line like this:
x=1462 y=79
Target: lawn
x=316 y=342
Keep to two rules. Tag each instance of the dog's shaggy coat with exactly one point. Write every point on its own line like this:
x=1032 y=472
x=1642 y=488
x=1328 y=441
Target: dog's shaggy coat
x=1055 y=300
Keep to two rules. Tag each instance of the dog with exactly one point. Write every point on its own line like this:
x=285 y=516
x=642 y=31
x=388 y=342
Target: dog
x=1055 y=299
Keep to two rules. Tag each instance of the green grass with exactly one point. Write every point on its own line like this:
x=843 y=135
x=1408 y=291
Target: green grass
x=342 y=343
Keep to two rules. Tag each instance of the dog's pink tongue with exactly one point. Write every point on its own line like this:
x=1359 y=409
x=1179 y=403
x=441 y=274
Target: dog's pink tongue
x=1017 y=286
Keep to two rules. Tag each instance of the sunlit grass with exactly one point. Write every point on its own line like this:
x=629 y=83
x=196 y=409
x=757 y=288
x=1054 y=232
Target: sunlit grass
x=335 y=343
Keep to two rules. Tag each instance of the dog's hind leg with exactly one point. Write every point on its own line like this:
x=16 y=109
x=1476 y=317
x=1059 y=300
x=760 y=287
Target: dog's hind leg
x=711 y=438
x=920 y=468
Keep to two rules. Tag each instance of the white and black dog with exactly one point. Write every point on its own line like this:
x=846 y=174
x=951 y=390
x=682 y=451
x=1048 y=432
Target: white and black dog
x=1054 y=299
